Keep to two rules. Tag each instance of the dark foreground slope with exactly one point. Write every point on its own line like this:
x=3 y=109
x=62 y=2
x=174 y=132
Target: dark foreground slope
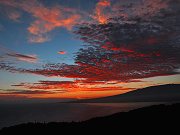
x=161 y=118
x=161 y=93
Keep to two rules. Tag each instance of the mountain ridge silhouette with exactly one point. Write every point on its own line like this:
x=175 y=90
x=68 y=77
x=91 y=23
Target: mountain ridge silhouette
x=160 y=93
x=153 y=119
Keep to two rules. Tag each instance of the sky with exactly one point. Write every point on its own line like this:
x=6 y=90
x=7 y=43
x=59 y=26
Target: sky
x=87 y=48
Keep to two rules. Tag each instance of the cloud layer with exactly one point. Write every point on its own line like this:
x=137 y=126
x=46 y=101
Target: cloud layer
x=124 y=49
x=130 y=44
x=47 y=18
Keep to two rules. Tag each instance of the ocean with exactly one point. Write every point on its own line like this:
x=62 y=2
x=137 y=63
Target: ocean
x=13 y=114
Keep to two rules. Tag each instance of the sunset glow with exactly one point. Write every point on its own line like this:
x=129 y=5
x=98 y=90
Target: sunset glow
x=87 y=49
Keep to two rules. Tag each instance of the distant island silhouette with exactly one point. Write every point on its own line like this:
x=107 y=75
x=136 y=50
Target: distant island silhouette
x=151 y=119
x=161 y=93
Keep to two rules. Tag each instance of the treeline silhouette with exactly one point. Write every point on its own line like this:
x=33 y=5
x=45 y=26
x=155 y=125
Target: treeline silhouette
x=163 y=118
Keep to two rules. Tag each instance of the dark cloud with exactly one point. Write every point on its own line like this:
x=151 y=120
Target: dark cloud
x=22 y=57
x=8 y=67
x=54 y=82
x=10 y=55
x=131 y=48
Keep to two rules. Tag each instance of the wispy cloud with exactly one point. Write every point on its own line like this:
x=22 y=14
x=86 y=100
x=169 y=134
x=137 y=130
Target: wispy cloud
x=14 y=15
x=39 y=38
x=10 y=55
x=71 y=86
x=25 y=58
x=48 y=85
x=23 y=92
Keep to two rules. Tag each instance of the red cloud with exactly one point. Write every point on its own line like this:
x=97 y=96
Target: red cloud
x=50 y=18
x=143 y=9
x=100 y=14
x=62 y=52
x=46 y=18
x=71 y=86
